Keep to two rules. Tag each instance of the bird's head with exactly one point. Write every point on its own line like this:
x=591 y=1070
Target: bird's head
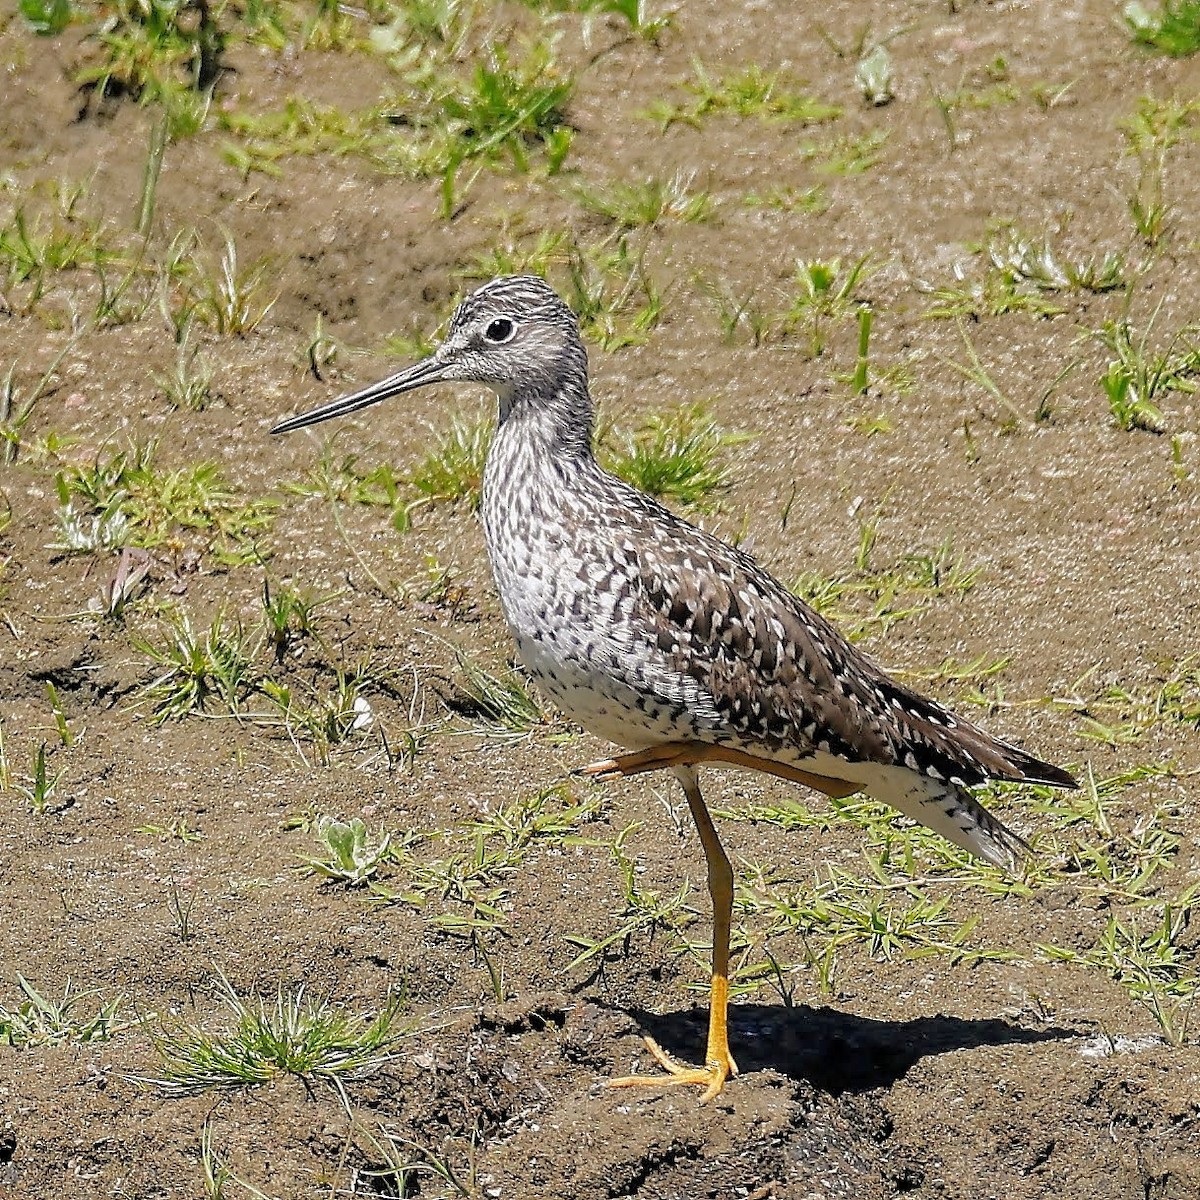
x=514 y=335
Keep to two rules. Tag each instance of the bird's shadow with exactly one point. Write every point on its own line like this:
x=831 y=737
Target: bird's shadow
x=838 y=1052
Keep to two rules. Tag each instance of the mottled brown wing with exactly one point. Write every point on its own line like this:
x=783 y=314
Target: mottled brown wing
x=781 y=675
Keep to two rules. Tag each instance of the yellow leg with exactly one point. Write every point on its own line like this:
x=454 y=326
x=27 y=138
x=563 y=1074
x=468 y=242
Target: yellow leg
x=718 y=1062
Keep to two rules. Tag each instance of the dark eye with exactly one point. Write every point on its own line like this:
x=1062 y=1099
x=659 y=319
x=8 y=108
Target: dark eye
x=500 y=330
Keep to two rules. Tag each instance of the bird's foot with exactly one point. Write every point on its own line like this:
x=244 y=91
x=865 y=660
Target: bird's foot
x=711 y=1076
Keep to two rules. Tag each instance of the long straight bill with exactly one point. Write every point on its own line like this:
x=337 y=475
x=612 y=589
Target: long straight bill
x=418 y=375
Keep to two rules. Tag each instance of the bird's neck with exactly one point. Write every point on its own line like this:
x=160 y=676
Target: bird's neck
x=558 y=423
x=541 y=454
x=537 y=432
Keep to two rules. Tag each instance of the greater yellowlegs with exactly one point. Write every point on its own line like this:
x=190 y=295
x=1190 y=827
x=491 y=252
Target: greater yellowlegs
x=678 y=648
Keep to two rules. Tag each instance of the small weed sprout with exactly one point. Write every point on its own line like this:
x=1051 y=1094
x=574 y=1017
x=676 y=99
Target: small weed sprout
x=180 y=905
x=296 y=1034
x=826 y=293
x=288 y=615
x=122 y=585
x=16 y=410
x=43 y=784
x=845 y=154
x=214 y=664
x=749 y=93
x=634 y=205
x=1137 y=379
x=1174 y=29
x=37 y=1021
x=325 y=717
x=610 y=290
x=1151 y=133
x=1149 y=964
x=189 y=384
x=91 y=533
x=646 y=910
x=453 y=470
x=47 y=18
x=504 y=701
x=676 y=455
x=641 y=23
x=214 y=1172
x=1038 y=263
x=125 y=499
x=228 y=298
x=736 y=313
x=351 y=857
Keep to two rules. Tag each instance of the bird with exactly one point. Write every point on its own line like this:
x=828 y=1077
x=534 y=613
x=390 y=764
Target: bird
x=673 y=645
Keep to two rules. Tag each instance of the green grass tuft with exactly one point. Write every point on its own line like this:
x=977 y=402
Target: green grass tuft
x=677 y=455
x=1174 y=29
x=296 y=1034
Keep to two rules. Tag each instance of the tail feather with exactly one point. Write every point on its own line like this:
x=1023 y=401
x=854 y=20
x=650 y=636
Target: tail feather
x=952 y=811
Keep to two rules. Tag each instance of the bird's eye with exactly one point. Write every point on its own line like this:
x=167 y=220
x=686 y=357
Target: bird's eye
x=500 y=330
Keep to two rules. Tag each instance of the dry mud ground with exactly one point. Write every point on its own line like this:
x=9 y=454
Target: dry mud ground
x=905 y=1022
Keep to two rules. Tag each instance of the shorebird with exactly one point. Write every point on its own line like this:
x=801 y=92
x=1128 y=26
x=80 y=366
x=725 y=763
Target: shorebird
x=675 y=646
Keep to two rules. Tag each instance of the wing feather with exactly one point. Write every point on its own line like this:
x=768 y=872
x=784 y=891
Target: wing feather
x=781 y=675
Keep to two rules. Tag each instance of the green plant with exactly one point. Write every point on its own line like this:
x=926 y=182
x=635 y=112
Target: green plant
x=47 y=17
x=503 y=701
x=826 y=292
x=470 y=880
x=214 y=664
x=615 y=298
x=845 y=155
x=1149 y=963
x=509 y=107
x=1151 y=133
x=214 y=1172
x=636 y=12
x=157 y=51
x=40 y=789
x=525 y=255
x=676 y=455
x=1037 y=262
x=65 y=736
x=975 y=372
x=453 y=469
x=35 y=251
x=735 y=313
x=324 y=716
x=1174 y=29
x=289 y=614
x=16 y=410
x=814 y=200
x=1137 y=378
x=633 y=205
x=189 y=384
x=129 y=501
x=228 y=298
x=342 y=480
x=180 y=906
x=871 y=599
x=859 y=380
x=178 y=829
x=748 y=93
x=37 y=1021
x=296 y=1034
x=351 y=858
x=646 y=911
